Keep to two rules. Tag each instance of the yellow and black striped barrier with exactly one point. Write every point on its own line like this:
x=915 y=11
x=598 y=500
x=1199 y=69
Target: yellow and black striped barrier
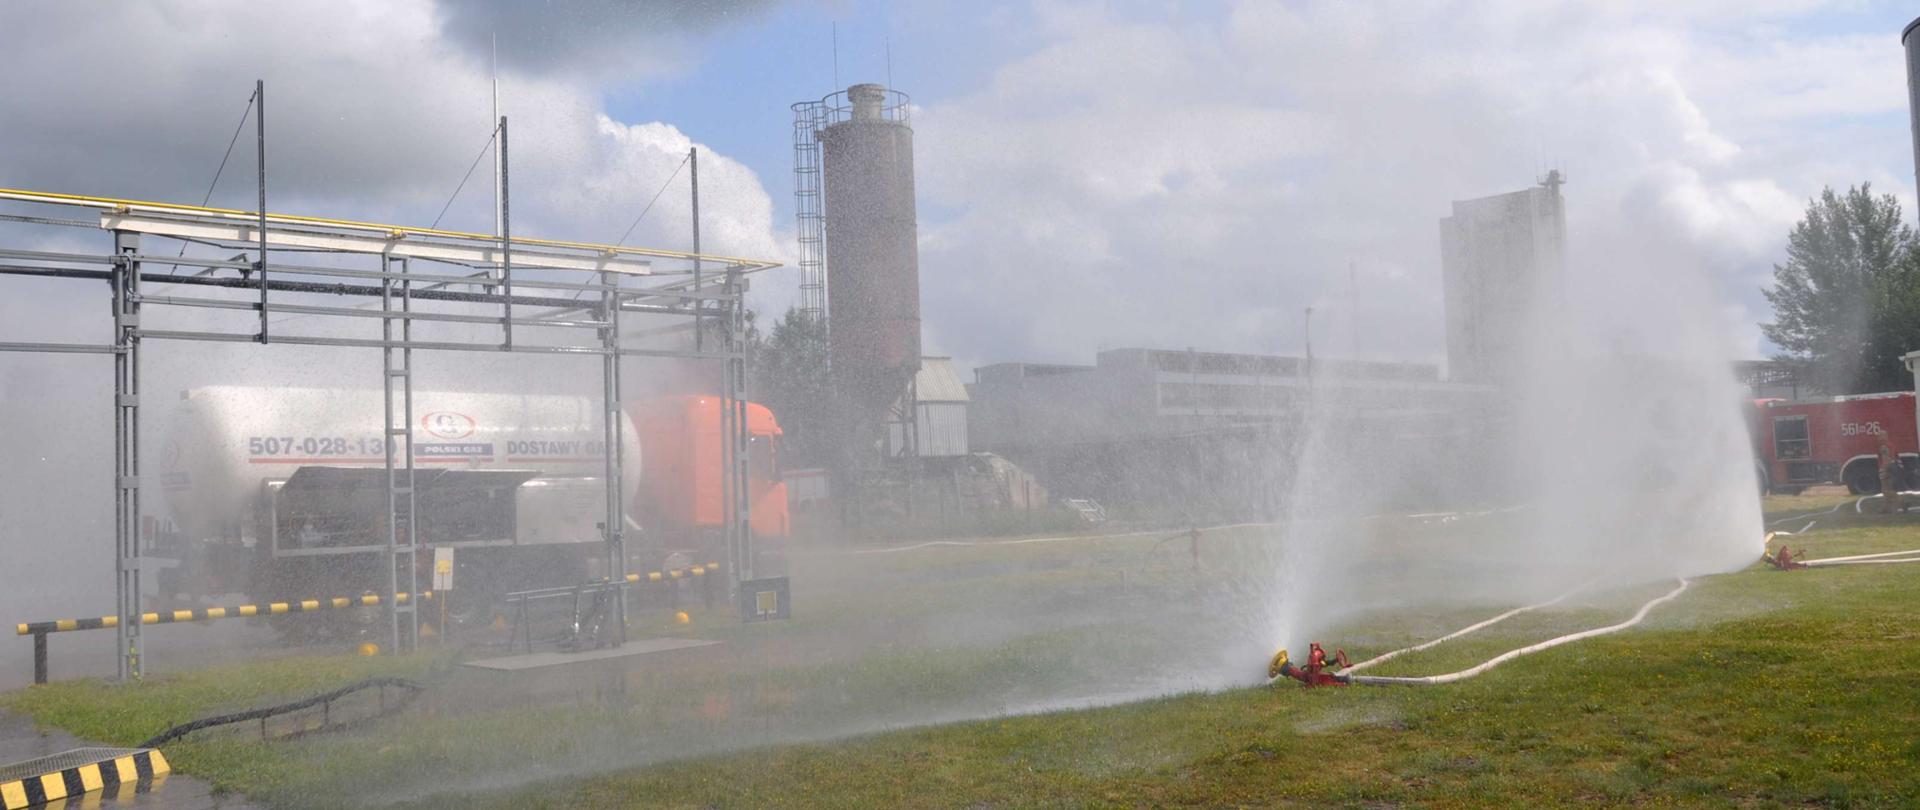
x=662 y=576
x=40 y=630
x=77 y=773
x=206 y=614
x=699 y=572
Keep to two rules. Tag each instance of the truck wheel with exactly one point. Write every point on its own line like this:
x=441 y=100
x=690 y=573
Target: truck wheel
x=473 y=607
x=1861 y=479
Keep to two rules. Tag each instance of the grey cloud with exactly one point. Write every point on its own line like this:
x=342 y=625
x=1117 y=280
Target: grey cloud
x=594 y=37
x=370 y=114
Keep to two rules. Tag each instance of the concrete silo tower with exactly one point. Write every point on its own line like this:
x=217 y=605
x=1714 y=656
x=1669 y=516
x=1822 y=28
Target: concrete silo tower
x=854 y=184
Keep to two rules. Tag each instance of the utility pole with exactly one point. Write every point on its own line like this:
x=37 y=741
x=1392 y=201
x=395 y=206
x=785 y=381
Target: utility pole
x=699 y=326
x=260 y=136
x=1353 y=289
x=1309 y=333
x=499 y=224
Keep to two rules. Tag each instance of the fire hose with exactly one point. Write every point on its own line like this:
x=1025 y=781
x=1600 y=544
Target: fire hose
x=1312 y=674
x=1859 y=559
x=1381 y=680
x=1785 y=560
x=1384 y=657
x=1322 y=670
x=1317 y=672
x=1864 y=498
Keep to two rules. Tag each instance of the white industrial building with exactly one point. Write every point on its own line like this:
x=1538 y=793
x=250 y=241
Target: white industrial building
x=1502 y=258
x=1139 y=393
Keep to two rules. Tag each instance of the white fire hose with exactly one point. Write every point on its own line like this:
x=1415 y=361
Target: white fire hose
x=1349 y=674
x=1864 y=498
x=1380 y=680
x=1909 y=555
x=1384 y=657
x=1858 y=559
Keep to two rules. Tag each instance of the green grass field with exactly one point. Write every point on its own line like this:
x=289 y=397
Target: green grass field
x=1754 y=688
x=1812 y=501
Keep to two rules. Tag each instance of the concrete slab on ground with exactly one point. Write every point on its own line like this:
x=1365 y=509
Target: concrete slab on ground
x=646 y=646
x=20 y=740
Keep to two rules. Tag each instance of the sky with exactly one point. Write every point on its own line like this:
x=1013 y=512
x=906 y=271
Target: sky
x=1090 y=175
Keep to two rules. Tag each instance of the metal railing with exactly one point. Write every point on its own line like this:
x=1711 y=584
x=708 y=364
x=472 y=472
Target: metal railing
x=40 y=630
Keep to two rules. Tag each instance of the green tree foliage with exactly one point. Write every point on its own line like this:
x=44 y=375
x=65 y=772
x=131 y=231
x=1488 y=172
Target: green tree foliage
x=1847 y=301
x=789 y=375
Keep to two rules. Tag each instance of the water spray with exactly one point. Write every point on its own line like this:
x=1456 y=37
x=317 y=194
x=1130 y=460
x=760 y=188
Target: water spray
x=1320 y=671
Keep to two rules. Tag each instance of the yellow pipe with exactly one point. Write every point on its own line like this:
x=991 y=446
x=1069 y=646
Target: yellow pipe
x=54 y=198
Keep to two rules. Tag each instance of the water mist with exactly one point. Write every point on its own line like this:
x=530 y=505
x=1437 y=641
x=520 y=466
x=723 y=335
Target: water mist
x=1609 y=443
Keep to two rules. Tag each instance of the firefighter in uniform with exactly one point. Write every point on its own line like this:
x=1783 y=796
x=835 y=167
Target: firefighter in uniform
x=1889 y=477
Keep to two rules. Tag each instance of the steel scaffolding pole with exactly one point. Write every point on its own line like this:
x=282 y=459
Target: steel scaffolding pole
x=506 y=240
x=729 y=524
x=693 y=179
x=612 y=425
x=126 y=452
x=401 y=500
x=740 y=518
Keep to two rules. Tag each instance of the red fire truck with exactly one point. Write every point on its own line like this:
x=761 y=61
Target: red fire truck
x=1833 y=440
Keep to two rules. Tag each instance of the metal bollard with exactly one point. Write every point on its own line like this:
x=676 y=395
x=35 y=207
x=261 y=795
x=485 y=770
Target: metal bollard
x=40 y=657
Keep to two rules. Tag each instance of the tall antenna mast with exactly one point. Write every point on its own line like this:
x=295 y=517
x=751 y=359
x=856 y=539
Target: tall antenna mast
x=836 y=54
x=889 y=42
x=499 y=225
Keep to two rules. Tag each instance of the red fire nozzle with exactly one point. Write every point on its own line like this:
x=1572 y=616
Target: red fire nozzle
x=1319 y=671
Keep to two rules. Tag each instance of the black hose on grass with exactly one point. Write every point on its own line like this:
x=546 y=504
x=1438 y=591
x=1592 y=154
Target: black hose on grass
x=176 y=732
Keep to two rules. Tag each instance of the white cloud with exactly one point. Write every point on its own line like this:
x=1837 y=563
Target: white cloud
x=1195 y=181
x=371 y=114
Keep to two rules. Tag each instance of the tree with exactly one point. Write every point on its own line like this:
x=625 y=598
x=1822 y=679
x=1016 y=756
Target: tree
x=1846 y=303
x=789 y=375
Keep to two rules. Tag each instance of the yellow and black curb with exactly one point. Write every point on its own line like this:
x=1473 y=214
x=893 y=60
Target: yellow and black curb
x=77 y=773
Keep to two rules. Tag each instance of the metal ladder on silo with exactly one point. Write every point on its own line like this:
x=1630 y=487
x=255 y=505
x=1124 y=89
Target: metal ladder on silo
x=809 y=206
x=397 y=440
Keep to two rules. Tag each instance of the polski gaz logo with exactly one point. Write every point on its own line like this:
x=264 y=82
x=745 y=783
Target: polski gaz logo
x=448 y=424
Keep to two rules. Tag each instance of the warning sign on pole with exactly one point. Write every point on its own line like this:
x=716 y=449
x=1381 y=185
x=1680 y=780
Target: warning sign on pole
x=443 y=569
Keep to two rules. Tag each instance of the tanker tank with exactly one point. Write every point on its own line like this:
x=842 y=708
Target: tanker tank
x=228 y=442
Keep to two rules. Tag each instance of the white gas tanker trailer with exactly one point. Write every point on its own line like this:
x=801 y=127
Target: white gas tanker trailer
x=282 y=493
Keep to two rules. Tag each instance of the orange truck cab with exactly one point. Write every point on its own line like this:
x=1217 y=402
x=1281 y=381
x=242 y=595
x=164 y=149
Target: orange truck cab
x=680 y=501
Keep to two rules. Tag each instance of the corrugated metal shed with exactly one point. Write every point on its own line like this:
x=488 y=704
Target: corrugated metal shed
x=942 y=411
x=938 y=382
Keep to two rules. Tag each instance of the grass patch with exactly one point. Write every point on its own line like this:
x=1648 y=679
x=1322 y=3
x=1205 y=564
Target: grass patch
x=1714 y=703
x=1755 y=688
x=1813 y=499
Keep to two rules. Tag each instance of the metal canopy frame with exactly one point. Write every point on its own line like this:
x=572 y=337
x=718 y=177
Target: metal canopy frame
x=569 y=300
